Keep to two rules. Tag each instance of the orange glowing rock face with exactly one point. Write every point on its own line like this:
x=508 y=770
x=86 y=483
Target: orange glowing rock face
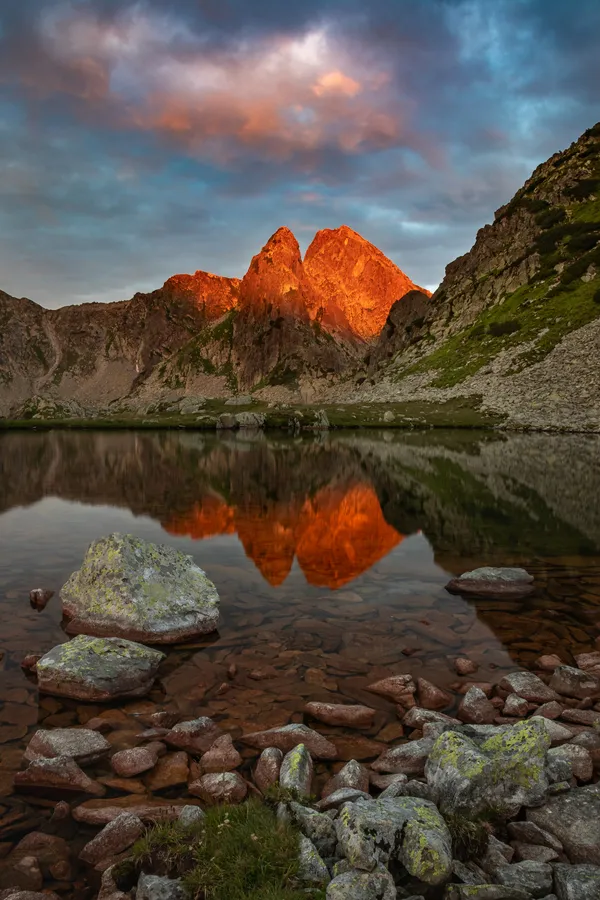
x=276 y=278
x=355 y=279
x=214 y=294
x=335 y=536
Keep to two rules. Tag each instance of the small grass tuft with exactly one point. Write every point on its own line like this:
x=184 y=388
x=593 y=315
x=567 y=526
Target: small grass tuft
x=237 y=853
x=470 y=835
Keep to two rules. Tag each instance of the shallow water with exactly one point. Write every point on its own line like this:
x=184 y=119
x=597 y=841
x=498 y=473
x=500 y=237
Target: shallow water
x=330 y=554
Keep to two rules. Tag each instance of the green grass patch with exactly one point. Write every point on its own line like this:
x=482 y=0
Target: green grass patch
x=534 y=308
x=586 y=212
x=460 y=413
x=238 y=853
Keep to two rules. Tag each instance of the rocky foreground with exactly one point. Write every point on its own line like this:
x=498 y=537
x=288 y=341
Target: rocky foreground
x=497 y=799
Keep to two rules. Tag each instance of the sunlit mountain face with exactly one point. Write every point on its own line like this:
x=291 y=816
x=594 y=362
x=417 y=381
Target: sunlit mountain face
x=335 y=536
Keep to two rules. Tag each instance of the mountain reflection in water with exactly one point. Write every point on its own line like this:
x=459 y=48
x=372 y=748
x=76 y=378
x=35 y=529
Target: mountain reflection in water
x=330 y=554
x=336 y=535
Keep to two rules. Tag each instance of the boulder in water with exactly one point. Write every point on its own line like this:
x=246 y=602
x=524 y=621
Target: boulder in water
x=130 y=588
x=98 y=669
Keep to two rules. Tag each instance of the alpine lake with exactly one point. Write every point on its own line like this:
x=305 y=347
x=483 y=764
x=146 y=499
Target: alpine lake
x=330 y=554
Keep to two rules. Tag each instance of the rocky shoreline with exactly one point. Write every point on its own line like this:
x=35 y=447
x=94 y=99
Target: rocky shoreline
x=495 y=797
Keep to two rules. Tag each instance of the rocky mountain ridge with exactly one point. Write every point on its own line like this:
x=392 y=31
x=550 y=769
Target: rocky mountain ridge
x=513 y=331
x=515 y=324
x=286 y=320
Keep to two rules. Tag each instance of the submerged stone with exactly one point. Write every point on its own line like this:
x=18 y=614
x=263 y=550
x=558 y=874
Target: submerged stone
x=98 y=669
x=130 y=588
x=80 y=744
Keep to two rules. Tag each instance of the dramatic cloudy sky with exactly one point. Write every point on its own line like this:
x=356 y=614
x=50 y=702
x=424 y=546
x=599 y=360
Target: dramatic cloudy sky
x=147 y=138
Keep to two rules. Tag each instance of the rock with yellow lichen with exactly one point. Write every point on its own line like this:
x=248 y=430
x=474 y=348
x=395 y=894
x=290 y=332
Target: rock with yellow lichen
x=407 y=830
x=296 y=772
x=98 y=669
x=486 y=769
x=130 y=588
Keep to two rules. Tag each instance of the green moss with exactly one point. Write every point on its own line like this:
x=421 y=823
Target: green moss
x=550 y=217
x=223 y=331
x=544 y=316
x=237 y=853
x=587 y=212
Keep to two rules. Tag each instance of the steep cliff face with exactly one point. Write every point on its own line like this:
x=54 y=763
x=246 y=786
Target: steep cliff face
x=516 y=321
x=404 y=322
x=273 y=335
x=354 y=280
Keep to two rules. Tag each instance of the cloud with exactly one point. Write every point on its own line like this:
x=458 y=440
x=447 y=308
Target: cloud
x=138 y=139
x=278 y=95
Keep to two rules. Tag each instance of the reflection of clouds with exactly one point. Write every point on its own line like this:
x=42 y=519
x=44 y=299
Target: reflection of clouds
x=336 y=536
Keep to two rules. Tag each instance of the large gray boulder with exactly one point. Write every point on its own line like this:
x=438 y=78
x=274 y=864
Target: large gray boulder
x=155 y=887
x=574 y=818
x=485 y=892
x=577 y=882
x=406 y=829
x=130 y=588
x=357 y=885
x=311 y=868
x=98 y=669
x=531 y=876
x=474 y=770
x=316 y=826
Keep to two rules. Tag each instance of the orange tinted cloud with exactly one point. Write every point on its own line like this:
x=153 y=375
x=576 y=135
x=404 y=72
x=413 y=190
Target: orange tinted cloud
x=280 y=94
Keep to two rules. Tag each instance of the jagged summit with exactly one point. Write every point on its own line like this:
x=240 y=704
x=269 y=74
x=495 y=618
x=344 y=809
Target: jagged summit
x=356 y=278
x=286 y=322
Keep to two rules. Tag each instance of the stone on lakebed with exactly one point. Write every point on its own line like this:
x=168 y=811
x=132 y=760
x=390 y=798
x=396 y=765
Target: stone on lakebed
x=130 y=588
x=489 y=580
x=98 y=669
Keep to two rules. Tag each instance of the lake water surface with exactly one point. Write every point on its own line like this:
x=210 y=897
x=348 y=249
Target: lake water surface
x=330 y=554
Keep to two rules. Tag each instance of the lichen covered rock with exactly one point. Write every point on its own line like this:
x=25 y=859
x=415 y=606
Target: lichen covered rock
x=406 y=829
x=296 y=772
x=357 y=885
x=130 y=588
x=311 y=868
x=474 y=770
x=98 y=669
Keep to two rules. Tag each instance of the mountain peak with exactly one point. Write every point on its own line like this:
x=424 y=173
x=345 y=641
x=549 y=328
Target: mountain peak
x=356 y=278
